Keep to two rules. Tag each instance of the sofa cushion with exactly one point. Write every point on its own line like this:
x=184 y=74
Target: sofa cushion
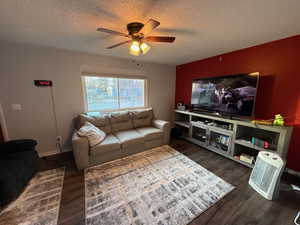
x=142 y=113
x=110 y=143
x=150 y=133
x=142 y=118
x=101 y=121
x=129 y=137
x=92 y=133
x=120 y=121
x=120 y=116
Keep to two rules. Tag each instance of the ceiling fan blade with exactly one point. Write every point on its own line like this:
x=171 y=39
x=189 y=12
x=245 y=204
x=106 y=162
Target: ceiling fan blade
x=160 y=39
x=116 y=45
x=149 y=26
x=108 y=31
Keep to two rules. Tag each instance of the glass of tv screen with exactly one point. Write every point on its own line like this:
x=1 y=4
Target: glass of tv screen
x=234 y=94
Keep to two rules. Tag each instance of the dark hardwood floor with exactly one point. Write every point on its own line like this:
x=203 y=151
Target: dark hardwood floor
x=243 y=206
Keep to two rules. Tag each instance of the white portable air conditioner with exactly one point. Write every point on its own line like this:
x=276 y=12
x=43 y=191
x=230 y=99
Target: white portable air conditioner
x=265 y=176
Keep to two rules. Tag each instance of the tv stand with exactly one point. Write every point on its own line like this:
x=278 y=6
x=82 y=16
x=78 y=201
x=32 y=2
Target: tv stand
x=232 y=138
x=217 y=114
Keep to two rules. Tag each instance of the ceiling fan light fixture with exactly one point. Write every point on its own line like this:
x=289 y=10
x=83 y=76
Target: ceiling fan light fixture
x=144 y=47
x=134 y=48
x=137 y=34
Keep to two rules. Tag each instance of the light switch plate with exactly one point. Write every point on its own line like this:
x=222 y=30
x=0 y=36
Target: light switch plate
x=16 y=107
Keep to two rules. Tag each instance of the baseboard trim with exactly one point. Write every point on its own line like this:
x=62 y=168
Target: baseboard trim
x=54 y=152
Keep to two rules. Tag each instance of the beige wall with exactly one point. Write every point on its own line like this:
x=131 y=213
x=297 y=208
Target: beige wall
x=21 y=64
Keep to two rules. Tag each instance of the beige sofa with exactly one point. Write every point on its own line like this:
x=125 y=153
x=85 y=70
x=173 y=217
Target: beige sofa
x=128 y=132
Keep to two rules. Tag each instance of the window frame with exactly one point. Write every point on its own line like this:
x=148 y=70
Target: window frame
x=133 y=77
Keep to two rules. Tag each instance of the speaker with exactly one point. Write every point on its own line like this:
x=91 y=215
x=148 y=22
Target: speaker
x=266 y=174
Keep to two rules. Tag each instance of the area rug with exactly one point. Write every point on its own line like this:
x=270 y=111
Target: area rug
x=39 y=203
x=159 y=186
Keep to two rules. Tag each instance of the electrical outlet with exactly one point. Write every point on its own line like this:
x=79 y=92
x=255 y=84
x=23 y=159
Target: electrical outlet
x=59 y=140
x=16 y=107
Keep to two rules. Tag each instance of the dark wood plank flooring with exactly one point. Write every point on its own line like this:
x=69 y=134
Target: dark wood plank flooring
x=243 y=206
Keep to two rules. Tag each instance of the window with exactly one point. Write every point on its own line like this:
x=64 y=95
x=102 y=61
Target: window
x=110 y=93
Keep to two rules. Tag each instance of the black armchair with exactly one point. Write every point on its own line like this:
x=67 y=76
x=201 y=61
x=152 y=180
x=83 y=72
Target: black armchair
x=19 y=162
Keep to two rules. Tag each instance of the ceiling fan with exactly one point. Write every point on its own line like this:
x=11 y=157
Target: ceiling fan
x=138 y=33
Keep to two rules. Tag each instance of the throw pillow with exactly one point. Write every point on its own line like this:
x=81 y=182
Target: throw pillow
x=92 y=133
x=142 y=118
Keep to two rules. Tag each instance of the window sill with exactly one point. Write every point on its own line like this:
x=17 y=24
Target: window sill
x=95 y=112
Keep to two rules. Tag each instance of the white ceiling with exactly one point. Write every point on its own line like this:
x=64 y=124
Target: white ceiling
x=203 y=27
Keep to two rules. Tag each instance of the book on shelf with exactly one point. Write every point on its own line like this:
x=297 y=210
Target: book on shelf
x=246 y=158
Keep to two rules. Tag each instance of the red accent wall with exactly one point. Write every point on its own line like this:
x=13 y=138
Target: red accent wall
x=279 y=88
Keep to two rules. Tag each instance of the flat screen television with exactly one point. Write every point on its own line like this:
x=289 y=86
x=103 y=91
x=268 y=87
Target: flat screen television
x=231 y=95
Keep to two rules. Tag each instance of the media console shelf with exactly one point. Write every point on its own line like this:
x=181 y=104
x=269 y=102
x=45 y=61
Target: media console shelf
x=232 y=138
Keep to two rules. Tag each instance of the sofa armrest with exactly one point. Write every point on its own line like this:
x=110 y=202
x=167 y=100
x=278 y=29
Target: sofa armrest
x=81 y=151
x=165 y=127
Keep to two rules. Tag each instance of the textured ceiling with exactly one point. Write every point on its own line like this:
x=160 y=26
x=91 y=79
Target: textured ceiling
x=203 y=27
